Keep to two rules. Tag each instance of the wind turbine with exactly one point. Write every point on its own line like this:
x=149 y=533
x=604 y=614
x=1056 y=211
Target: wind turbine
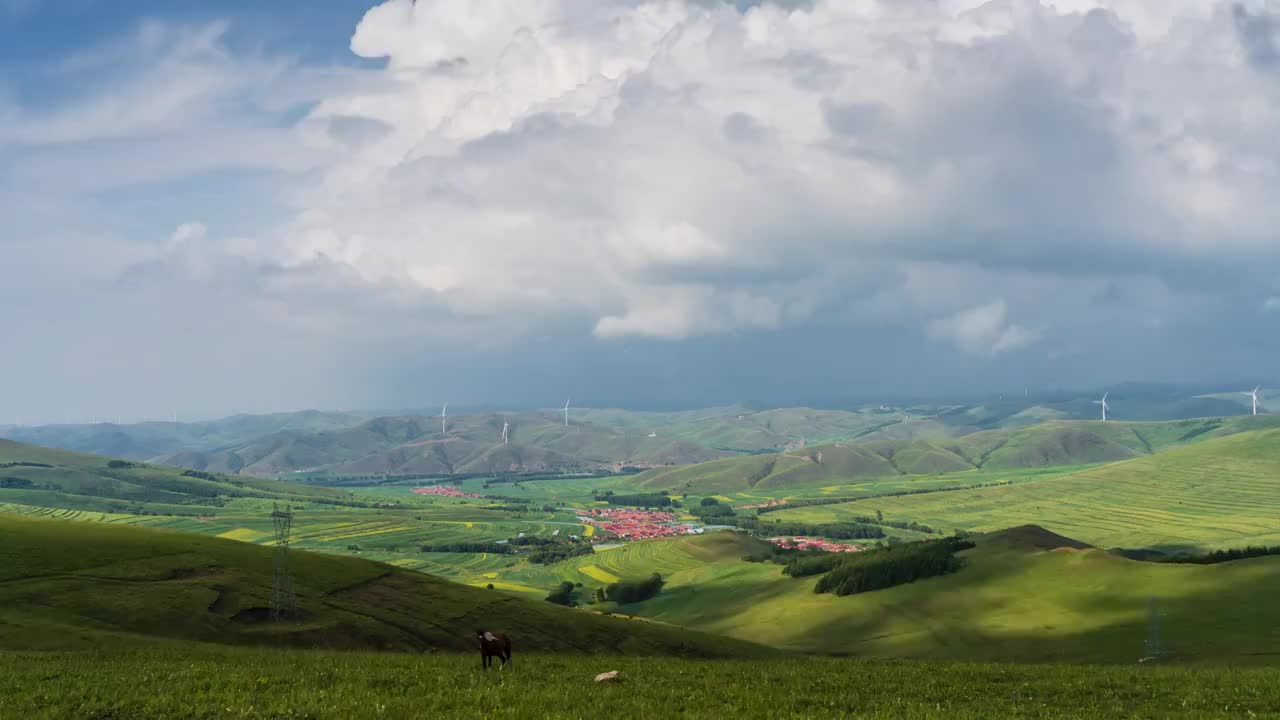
x=566 y=412
x=505 y=425
x=444 y=418
x=1254 y=396
x=1103 y=403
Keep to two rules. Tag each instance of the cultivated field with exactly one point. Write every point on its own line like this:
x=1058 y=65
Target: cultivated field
x=1221 y=493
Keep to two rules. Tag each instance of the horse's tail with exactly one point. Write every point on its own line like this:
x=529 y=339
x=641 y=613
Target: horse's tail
x=507 y=641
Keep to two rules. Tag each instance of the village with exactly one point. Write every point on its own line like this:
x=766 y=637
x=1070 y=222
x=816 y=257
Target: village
x=444 y=491
x=636 y=524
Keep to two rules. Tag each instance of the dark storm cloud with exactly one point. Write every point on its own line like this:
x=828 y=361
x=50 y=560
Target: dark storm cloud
x=1259 y=33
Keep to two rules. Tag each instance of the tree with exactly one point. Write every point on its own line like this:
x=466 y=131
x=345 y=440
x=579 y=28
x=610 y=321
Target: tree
x=563 y=595
x=708 y=502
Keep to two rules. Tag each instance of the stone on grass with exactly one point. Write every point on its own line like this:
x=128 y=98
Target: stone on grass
x=611 y=676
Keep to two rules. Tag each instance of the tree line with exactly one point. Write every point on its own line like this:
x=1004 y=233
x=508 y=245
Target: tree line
x=835 y=531
x=1221 y=556
x=853 y=573
x=470 y=547
x=809 y=502
x=638 y=500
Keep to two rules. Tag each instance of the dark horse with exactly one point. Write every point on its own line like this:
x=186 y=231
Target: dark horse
x=493 y=645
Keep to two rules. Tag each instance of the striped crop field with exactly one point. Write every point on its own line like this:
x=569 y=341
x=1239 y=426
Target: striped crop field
x=65 y=514
x=678 y=559
x=1221 y=493
x=244 y=535
x=603 y=576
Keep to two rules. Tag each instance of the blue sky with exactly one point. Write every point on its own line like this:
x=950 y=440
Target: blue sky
x=236 y=206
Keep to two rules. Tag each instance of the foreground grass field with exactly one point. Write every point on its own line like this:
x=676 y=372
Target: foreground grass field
x=199 y=682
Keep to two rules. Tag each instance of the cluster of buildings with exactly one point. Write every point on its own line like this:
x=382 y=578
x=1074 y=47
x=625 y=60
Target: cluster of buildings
x=445 y=491
x=804 y=543
x=635 y=524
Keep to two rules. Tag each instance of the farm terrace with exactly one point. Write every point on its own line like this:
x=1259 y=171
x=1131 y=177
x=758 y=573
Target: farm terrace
x=635 y=524
x=771 y=503
x=445 y=491
x=804 y=543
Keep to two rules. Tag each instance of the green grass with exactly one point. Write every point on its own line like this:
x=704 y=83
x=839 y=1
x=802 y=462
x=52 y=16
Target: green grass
x=201 y=682
x=89 y=482
x=90 y=585
x=1014 y=601
x=1220 y=493
x=1043 y=445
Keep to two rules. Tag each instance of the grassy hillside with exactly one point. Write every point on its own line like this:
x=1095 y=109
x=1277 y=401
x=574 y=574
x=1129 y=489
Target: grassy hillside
x=1219 y=493
x=1024 y=595
x=1044 y=445
x=38 y=476
x=83 y=585
x=202 y=683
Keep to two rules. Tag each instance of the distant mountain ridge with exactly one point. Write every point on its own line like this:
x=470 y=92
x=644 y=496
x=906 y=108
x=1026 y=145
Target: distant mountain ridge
x=1050 y=444
x=363 y=443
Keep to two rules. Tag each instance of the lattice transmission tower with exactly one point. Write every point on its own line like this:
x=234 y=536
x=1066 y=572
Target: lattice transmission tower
x=283 y=601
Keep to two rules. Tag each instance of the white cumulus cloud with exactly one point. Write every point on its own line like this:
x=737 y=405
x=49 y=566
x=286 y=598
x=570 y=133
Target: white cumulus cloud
x=983 y=330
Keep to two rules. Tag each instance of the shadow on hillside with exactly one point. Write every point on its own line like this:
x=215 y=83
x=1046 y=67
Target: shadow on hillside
x=705 y=604
x=1230 y=617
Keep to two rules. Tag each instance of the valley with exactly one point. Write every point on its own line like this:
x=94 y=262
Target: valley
x=1047 y=590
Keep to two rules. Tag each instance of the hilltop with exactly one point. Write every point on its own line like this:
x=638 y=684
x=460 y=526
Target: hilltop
x=84 y=585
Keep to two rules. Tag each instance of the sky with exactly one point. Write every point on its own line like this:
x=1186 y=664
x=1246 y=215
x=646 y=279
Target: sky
x=227 y=207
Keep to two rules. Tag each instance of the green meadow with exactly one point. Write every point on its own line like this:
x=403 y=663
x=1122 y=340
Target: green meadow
x=203 y=682
x=1220 y=493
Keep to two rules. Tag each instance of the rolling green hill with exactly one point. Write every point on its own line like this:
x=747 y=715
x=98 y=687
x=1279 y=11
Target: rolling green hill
x=33 y=475
x=1024 y=595
x=1044 y=445
x=472 y=444
x=84 y=585
x=1218 y=493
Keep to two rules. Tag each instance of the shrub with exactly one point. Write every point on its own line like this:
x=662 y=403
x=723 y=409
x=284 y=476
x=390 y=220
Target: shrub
x=563 y=595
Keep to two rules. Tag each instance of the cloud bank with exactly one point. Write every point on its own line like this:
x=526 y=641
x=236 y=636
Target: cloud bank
x=669 y=170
